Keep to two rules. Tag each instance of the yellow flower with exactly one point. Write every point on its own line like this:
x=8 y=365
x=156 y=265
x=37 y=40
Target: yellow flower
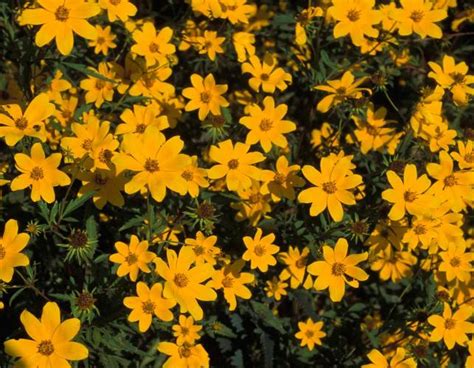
x=39 y=172
x=15 y=124
x=356 y=18
x=50 y=344
x=253 y=204
x=183 y=283
x=260 y=250
x=60 y=19
x=282 y=182
x=185 y=355
x=103 y=41
x=331 y=273
x=204 y=248
x=132 y=258
x=295 y=270
x=276 y=288
x=11 y=245
x=340 y=90
x=235 y=163
x=236 y=11
x=148 y=303
x=99 y=90
x=422 y=231
x=243 y=45
x=186 y=332
x=310 y=333
x=157 y=162
x=118 y=9
x=205 y=96
x=452 y=328
x=65 y=111
x=266 y=74
x=210 y=44
x=407 y=195
x=465 y=155
x=453 y=77
x=267 y=126
x=232 y=281
x=331 y=186
x=57 y=85
x=154 y=46
x=456 y=262
x=141 y=117
x=398 y=360
x=393 y=264
x=303 y=20
x=195 y=177
x=418 y=16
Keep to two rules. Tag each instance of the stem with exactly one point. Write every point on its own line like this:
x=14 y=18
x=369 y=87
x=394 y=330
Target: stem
x=31 y=286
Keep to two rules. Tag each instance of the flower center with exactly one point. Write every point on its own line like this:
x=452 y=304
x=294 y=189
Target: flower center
x=100 y=179
x=233 y=164
x=37 y=173
x=449 y=324
x=3 y=253
x=264 y=77
x=227 y=282
x=417 y=16
x=78 y=239
x=255 y=198
x=85 y=301
x=420 y=229
x=309 y=334
x=266 y=125
x=259 y=250
x=154 y=47
x=140 y=128
x=148 y=307
x=205 y=97
x=341 y=91
x=187 y=175
x=62 y=14
x=450 y=181
x=46 y=347
x=371 y=130
x=105 y=156
x=458 y=78
x=184 y=351
x=131 y=259
x=87 y=144
x=21 y=123
x=353 y=15
x=99 y=84
x=455 y=262
x=279 y=178
x=100 y=40
x=181 y=280
x=184 y=331
x=151 y=165
x=330 y=187
x=409 y=196
x=115 y=2
x=301 y=262
x=469 y=157
x=338 y=269
x=198 y=250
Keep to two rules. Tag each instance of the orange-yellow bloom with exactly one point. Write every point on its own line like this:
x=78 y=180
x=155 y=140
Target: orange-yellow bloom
x=11 y=245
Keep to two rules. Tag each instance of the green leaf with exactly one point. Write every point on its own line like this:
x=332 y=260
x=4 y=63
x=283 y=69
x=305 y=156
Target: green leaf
x=83 y=69
x=267 y=317
x=77 y=203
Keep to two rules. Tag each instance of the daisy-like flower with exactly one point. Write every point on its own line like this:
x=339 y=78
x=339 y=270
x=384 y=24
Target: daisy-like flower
x=453 y=77
x=148 y=303
x=331 y=186
x=185 y=331
x=141 y=117
x=260 y=250
x=393 y=264
x=399 y=360
x=452 y=328
x=407 y=195
x=266 y=125
x=205 y=95
x=266 y=74
x=103 y=41
x=154 y=46
x=210 y=44
x=310 y=333
x=99 y=90
x=331 y=273
x=236 y=11
x=232 y=281
x=282 y=182
x=185 y=355
x=456 y=262
x=118 y=9
x=132 y=258
x=275 y=288
x=418 y=16
x=11 y=245
x=243 y=45
x=50 y=344
x=40 y=173
x=183 y=283
x=204 y=248
x=465 y=155
x=195 y=177
x=295 y=270
x=235 y=163
x=356 y=18
x=60 y=19
x=340 y=90
x=15 y=124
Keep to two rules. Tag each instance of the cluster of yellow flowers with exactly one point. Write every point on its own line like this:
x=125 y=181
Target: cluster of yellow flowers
x=113 y=156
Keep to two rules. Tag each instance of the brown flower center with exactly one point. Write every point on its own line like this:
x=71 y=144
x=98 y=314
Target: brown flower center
x=46 y=347
x=140 y=129
x=99 y=84
x=255 y=198
x=409 y=196
x=450 y=181
x=151 y=165
x=259 y=250
x=100 y=179
x=37 y=173
x=131 y=259
x=3 y=253
x=371 y=130
x=455 y=262
x=187 y=175
x=184 y=331
x=148 y=307
x=309 y=334
x=449 y=324
x=198 y=250
x=301 y=262
x=417 y=16
x=21 y=123
x=100 y=40
x=469 y=157
x=353 y=15
x=264 y=77
x=62 y=14
x=184 y=351
x=233 y=164
x=78 y=239
x=217 y=121
x=419 y=229
x=105 y=156
x=341 y=91
x=115 y=2
x=205 y=210
x=205 y=97
x=154 y=47
x=227 y=282
x=458 y=78
x=181 y=280
x=85 y=301
x=330 y=187
x=338 y=269
x=87 y=144
x=279 y=178
x=265 y=125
